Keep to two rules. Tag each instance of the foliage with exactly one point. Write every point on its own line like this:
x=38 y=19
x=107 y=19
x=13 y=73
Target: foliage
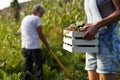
x=59 y=14
x=15 y=9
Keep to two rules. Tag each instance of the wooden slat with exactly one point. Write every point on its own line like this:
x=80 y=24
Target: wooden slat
x=80 y=49
x=75 y=33
x=80 y=41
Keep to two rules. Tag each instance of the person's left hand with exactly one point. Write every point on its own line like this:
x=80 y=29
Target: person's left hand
x=90 y=31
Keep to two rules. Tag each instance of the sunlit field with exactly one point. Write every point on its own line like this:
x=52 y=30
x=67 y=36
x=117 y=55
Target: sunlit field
x=59 y=15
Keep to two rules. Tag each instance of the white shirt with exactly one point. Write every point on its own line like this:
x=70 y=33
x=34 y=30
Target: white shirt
x=92 y=11
x=29 y=34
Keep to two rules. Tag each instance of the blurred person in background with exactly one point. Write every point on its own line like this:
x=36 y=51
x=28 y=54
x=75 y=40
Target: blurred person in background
x=31 y=31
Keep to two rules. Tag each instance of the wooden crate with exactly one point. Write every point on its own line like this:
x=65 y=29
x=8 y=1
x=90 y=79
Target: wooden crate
x=73 y=42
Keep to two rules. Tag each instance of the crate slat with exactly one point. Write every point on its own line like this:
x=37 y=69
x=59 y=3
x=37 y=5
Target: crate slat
x=80 y=41
x=76 y=33
x=80 y=49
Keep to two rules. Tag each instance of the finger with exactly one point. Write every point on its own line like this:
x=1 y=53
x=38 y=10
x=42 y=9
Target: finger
x=84 y=28
x=90 y=37
x=86 y=36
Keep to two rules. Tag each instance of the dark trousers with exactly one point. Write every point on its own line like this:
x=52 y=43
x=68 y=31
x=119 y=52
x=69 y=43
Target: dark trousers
x=32 y=56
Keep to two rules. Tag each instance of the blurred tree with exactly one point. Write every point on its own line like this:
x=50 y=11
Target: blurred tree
x=16 y=9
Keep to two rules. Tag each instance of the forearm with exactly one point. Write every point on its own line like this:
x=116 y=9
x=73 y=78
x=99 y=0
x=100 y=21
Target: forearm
x=19 y=31
x=41 y=36
x=114 y=17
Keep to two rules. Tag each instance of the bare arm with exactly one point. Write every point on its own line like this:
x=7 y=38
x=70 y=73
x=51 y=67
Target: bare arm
x=42 y=37
x=115 y=16
x=19 y=30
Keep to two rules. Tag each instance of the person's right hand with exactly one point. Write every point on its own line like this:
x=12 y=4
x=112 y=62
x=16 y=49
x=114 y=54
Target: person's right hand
x=90 y=31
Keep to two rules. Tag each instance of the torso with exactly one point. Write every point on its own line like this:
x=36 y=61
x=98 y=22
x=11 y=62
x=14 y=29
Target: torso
x=29 y=32
x=105 y=7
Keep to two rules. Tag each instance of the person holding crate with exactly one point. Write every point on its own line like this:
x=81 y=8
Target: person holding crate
x=30 y=33
x=102 y=17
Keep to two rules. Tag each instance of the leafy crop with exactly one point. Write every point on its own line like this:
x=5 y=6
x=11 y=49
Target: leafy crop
x=59 y=15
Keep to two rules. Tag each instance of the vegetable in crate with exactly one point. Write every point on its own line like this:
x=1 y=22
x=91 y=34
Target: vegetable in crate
x=75 y=27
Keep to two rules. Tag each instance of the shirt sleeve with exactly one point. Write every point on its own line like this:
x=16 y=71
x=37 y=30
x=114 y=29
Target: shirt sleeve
x=38 y=22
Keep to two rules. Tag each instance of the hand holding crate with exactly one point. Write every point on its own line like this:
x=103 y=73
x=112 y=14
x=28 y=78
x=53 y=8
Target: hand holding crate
x=73 y=42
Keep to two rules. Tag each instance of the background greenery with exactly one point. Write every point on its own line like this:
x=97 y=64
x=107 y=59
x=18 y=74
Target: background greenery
x=59 y=15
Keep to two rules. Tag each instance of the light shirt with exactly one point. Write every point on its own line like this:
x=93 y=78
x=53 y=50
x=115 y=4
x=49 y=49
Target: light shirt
x=29 y=34
x=92 y=12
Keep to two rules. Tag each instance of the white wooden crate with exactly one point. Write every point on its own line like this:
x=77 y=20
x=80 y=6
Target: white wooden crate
x=73 y=42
